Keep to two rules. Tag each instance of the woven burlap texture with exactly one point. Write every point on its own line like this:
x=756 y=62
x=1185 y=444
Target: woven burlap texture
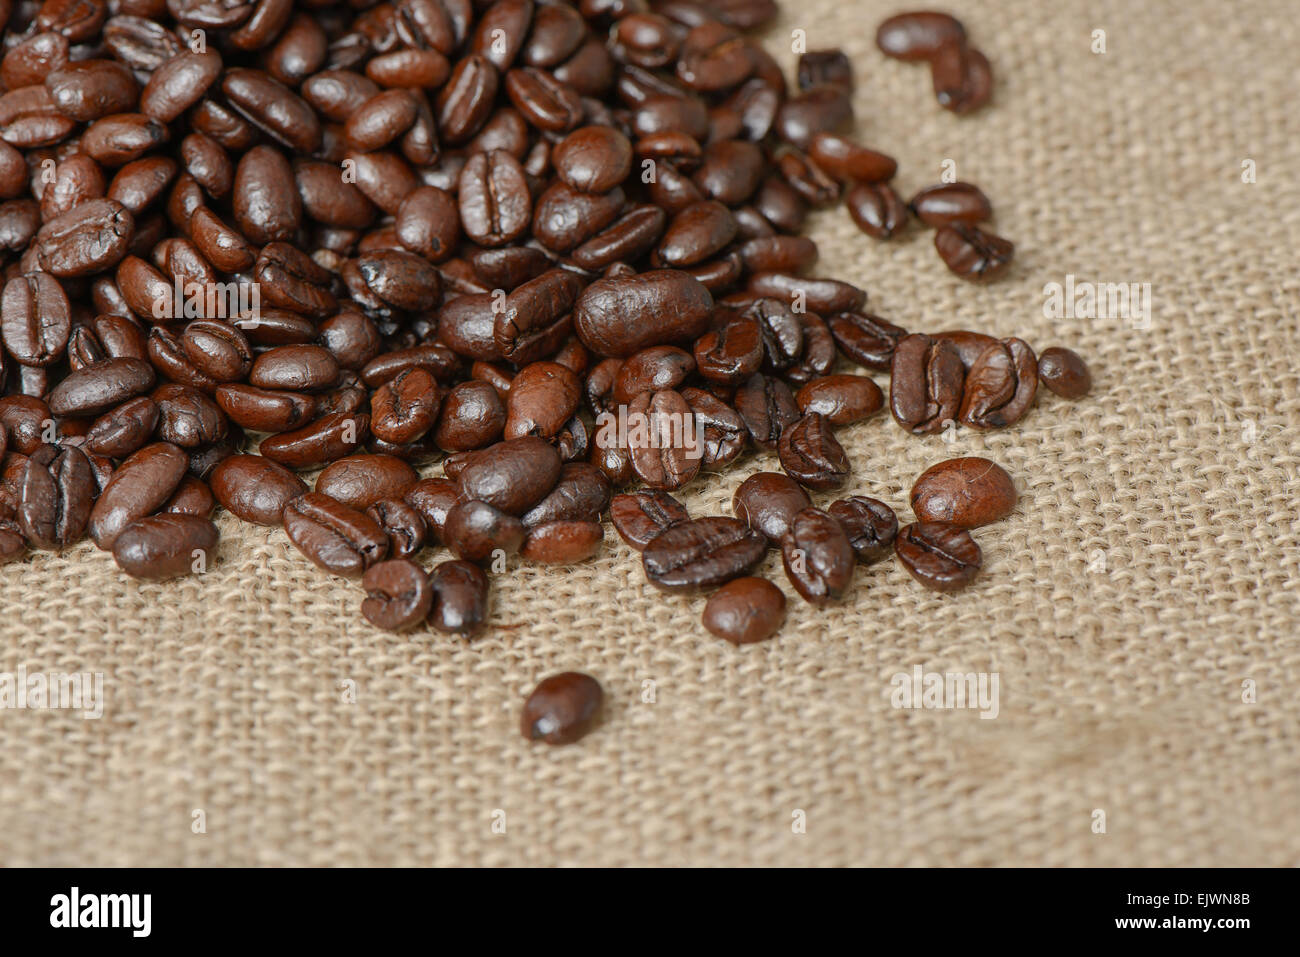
x=1149 y=571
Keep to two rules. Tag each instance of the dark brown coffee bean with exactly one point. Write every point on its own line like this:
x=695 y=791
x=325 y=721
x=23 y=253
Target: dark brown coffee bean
x=159 y=547
x=581 y=495
x=663 y=441
x=98 y=388
x=867 y=340
x=254 y=488
x=817 y=556
x=123 y=429
x=822 y=296
x=767 y=406
x=1064 y=372
x=619 y=317
x=767 y=501
x=784 y=253
x=870 y=524
x=1000 y=385
x=88 y=239
x=562 y=708
x=187 y=417
x=536 y=316
x=970 y=345
x=434 y=358
x=122 y=137
x=917 y=36
x=428 y=223
x=732 y=354
x=273 y=108
x=849 y=162
x=23 y=420
x=472 y=417
x=328 y=438
x=593 y=159
x=513 y=475
x=380 y=120
x=359 y=481
x=403 y=524
x=842 y=399
x=695 y=234
x=178 y=84
x=460 y=598
x=494 y=201
x=925 y=383
x=718 y=426
x=433 y=498
x=745 y=610
x=139 y=486
x=222 y=246
x=265 y=410
x=639 y=516
x=812 y=183
x=564 y=542
x=948 y=203
x=292 y=280
x=566 y=218
x=37 y=319
x=333 y=536
x=819 y=109
x=476 y=532
x=966 y=492
x=543 y=397
x=305 y=368
x=812 y=455
x=406 y=407
x=625 y=240
x=398 y=595
x=701 y=553
x=962 y=77
x=940 y=556
x=56 y=495
x=972 y=253
x=876 y=209
x=659 y=367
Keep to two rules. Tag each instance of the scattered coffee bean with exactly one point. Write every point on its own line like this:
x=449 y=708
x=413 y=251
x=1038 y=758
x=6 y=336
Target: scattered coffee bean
x=460 y=598
x=158 y=547
x=940 y=556
x=870 y=524
x=745 y=610
x=819 y=559
x=967 y=492
x=701 y=553
x=562 y=708
x=767 y=501
x=639 y=516
x=398 y=595
x=811 y=454
x=1064 y=372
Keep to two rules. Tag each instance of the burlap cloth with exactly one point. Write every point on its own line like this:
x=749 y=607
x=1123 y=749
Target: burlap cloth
x=1150 y=568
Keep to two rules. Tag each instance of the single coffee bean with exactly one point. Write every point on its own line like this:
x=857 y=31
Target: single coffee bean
x=56 y=495
x=972 y=253
x=876 y=209
x=917 y=36
x=812 y=455
x=495 y=204
x=718 y=426
x=665 y=450
x=842 y=399
x=472 y=417
x=299 y=368
x=745 y=611
x=925 y=383
x=1000 y=385
x=536 y=317
x=767 y=406
x=192 y=497
x=265 y=410
x=123 y=429
x=339 y=539
x=818 y=558
x=402 y=523
x=475 y=532
x=581 y=495
x=217 y=349
x=822 y=296
x=460 y=598
x=88 y=239
x=405 y=407
x=966 y=492
x=870 y=524
x=701 y=553
x=398 y=595
x=593 y=159
x=732 y=354
x=139 y=487
x=962 y=77
x=948 y=203
x=620 y=317
x=159 y=547
x=767 y=501
x=562 y=708
x=359 y=481
x=564 y=542
x=37 y=319
x=543 y=397
x=513 y=475
x=639 y=516
x=187 y=417
x=868 y=340
x=1064 y=372
x=940 y=556
x=824 y=66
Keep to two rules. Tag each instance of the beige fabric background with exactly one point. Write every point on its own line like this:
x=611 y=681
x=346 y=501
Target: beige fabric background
x=1150 y=568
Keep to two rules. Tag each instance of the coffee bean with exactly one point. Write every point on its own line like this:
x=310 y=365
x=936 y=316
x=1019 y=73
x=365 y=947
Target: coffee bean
x=970 y=345
x=217 y=349
x=948 y=203
x=402 y=523
x=1000 y=385
x=966 y=492
x=876 y=209
x=767 y=407
x=842 y=399
x=1064 y=372
x=192 y=497
x=472 y=417
x=581 y=495
x=925 y=383
x=639 y=516
x=917 y=36
x=822 y=296
x=721 y=428
x=405 y=407
x=495 y=205
x=745 y=610
x=513 y=475
x=562 y=708
x=812 y=455
x=299 y=368
x=824 y=66
x=188 y=418
x=56 y=495
x=962 y=77
x=475 y=532
x=265 y=410
x=701 y=553
x=620 y=317
x=123 y=429
x=359 y=481
x=543 y=397
x=940 y=556
x=159 y=547
x=398 y=595
x=817 y=555
x=972 y=253
x=593 y=159
x=564 y=542
x=460 y=598
x=767 y=501
x=139 y=486
x=870 y=525
x=37 y=320
x=665 y=454
x=433 y=498
x=732 y=354
x=333 y=536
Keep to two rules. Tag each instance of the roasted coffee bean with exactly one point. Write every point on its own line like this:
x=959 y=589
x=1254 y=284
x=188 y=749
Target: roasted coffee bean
x=513 y=475
x=535 y=318
x=581 y=495
x=122 y=137
x=565 y=218
x=849 y=162
x=434 y=358
x=842 y=399
x=593 y=159
x=405 y=407
x=813 y=184
x=745 y=610
x=781 y=331
x=719 y=426
x=972 y=253
x=767 y=406
x=624 y=240
x=23 y=420
x=659 y=367
x=701 y=553
x=359 y=481
x=917 y=36
x=564 y=542
x=139 y=486
x=333 y=536
x=37 y=319
x=273 y=108
x=817 y=555
x=812 y=455
x=398 y=595
x=192 y=497
x=562 y=708
x=178 y=84
x=472 y=417
x=818 y=109
x=159 y=547
x=784 y=253
x=966 y=492
x=97 y=388
x=639 y=516
x=428 y=223
x=402 y=523
x=305 y=368
x=475 y=532
x=508 y=267
x=433 y=498
x=940 y=556
x=123 y=429
x=619 y=317
x=186 y=417
x=460 y=598
x=925 y=383
x=663 y=441
x=948 y=203
x=767 y=501
x=328 y=438
x=12 y=543
x=494 y=201
x=1000 y=385
x=380 y=120
x=400 y=279
x=962 y=77
x=876 y=209
x=56 y=495
x=868 y=340
x=870 y=524
x=695 y=234
x=1064 y=372
x=293 y=281
x=254 y=488
x=732 y=354
x=543 y=397
x=265 y=410
x=76 y=180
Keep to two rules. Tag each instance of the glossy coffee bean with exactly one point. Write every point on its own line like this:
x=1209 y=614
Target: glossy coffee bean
x=405 y=407
x=563 y=542
x=732 y=354
x=767 y=501
x=701 y=553
x=159 y=547
x=948 y=203
x=398 y=595
x=562 y=708
x=55 y=497
x=867 y=340
x=1064 y=372
x=265 y=410
x=433 y=498
x=472 y=417
x=593 y=159
x=842 y=399
x=1000 y=385
x=192 y=497
x=403 y=524
x=37 y=320
x=333 y=536
x=962 y=77
x=972 y=253
x=664 y=453
x=940 y=556
x=925 y=383
x=581 y=495
x=870 y=525
x=124 y=429
x=917 y=36
x=543 y=397
x=876 y=209
x=640 y=516
x=513 y=475
x=460 y=598
x=811 y=454
x=620 y=317
x=966 y=492
x=818 y=558
x=475 y=532
x=359 y=481
x=767 y=406
x=495 y=204
x=745 y=611
x=139 y=487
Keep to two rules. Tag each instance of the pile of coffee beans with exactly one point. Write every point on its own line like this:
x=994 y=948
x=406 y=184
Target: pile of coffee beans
x=552 y=247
